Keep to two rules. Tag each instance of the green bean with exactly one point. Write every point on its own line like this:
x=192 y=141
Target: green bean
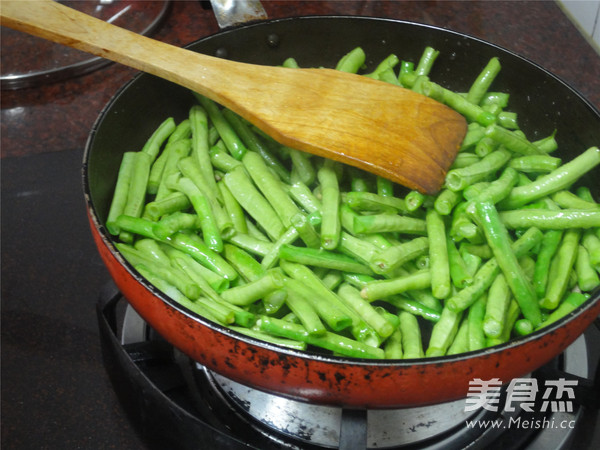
x=438 y=255
x=183 y=130
x=499 y=241
x=472 y=261
x=511 y=319
x=498 y=301
x=486 y=274
x=156 y=171
x=535 y=163
x=511 y=140
x=426 y=61
x=495 y=98
x=414 y=200
x=174 y=202
x=152 y=249
x=200 y=146
x=412 y=345
x=170 y=274
x=289 y=237
x=460 y=344
x=121 y=193
x=135 y=225
x=475 y=318
x=548 y=247
x=290 y=63
x=270 y=187
x=566 y=199
x=443 y=333
x=175 y=294
x=573 y=300
x=475 y=132
x=206 y=218
x=330 y=341
x=497 y=190
x=462 y=227
x=485 y=146
x=332 y=279
x=591 y=242
x=243 y=262
x=388 y=62
x=508 y=120
x=389 y=259
x=233 y=209
x=523 y=327
x=322 y=258
x=325 y=301
x=483 y=81
x=251 y=244
x=352 y=61
x=175 y=152
x=381 y=223
x=330 y=226
x=557 y=180
x=172 y=223
x=241 y=187
x=368 y=201
x=414 y=307
x=445 y=201
x=560 y=269
x=464 y=159
x=222 y=160
x=587 y=276
x=384 y=288
x=393 y=345
x=254 y=143
x=385 y=187
x=459 y=273
x=459 y=179
x=359 y=183
x=550 y=220
x=302 y=167
x=136 y=194
x=257 y=334
x=194 y=246
x=197 y=272
x=152 y=145
x=305 y=313
x=352 y=298
x=473 y=113
x=248 y=293
x=234 y=144
x=584 y=193
x=304 y=197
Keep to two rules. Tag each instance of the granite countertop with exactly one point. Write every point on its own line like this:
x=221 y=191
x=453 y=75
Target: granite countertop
x=55 y=392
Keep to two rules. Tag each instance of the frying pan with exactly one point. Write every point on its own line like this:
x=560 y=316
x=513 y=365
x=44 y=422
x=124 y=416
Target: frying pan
x=544 y=103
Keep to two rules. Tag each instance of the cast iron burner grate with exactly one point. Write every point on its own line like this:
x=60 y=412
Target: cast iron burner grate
x=176 y=403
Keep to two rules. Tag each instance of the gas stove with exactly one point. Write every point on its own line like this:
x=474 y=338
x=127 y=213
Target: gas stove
x=176 y=403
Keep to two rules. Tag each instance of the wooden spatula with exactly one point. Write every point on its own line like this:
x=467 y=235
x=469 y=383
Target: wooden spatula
x=390 y=131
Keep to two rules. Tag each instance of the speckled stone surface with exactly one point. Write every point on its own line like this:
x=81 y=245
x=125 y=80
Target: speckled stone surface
x=55 y=392
x=59 y=116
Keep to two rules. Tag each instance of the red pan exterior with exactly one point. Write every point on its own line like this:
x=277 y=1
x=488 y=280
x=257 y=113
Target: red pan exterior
x=309 y=377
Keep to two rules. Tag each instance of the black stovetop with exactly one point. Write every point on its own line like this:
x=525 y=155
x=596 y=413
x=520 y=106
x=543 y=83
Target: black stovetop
x=55 y=391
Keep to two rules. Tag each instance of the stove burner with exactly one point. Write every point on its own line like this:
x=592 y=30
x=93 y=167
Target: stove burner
x=321 y=425
x=193 y=407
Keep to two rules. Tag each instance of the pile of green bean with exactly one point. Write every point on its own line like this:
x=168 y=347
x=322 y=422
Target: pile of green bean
x=307 y=253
